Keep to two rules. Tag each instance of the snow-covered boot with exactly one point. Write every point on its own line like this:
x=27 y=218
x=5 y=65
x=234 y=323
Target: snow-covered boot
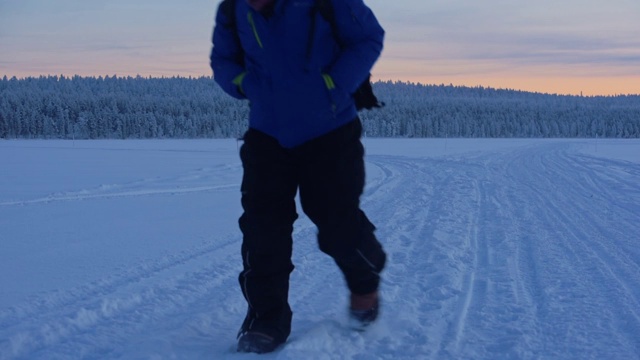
x=363 y=310
x=256 y=342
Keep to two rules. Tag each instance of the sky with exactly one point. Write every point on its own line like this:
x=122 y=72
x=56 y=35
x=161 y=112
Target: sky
x=589 y=47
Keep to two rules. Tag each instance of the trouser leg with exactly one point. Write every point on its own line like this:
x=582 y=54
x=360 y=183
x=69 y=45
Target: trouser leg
x=268 y=200
x=331 y=182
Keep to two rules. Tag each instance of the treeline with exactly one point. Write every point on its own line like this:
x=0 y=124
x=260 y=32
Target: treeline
x=135 y=107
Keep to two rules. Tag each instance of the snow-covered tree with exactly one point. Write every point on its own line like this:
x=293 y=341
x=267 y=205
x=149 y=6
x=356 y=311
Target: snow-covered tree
x=137 y=107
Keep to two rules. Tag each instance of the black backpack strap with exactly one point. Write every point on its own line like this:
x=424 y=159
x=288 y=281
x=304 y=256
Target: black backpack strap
x=363 y=96
x=228 y=8
x=325 y=8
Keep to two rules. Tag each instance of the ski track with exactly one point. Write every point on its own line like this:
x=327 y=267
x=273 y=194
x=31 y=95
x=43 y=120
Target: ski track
x=529 y=253
x=97 y=319
x=525 y=254
x=197 y=181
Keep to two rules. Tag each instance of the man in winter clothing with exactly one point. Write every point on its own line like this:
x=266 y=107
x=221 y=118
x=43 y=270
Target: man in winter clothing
x=304 y=135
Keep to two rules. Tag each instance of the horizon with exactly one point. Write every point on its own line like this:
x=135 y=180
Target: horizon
x=373 y=81
x=577 y=47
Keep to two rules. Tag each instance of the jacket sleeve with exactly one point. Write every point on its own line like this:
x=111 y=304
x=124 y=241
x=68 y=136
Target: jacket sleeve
x=227 y=56
x=361 y=39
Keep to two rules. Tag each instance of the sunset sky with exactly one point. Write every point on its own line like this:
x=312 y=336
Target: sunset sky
x=565 y=47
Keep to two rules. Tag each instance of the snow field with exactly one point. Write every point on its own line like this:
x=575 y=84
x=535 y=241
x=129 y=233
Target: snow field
x=498 y=249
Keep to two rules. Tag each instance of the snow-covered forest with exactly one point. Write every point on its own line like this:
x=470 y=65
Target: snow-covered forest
x=58 y=107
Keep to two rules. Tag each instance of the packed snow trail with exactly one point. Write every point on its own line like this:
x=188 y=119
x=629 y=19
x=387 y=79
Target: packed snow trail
x=524 y=252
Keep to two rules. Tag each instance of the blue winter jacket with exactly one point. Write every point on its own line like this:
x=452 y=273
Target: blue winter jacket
x=295 y=96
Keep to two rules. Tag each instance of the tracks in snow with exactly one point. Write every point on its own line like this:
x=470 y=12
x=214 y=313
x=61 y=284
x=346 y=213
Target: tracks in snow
x=197 y=181
x=184 y=290
x=526 y=253
x=520 y=254
x=95 y=319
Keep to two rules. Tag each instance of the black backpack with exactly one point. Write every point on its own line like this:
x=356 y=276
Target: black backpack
x=363 y=97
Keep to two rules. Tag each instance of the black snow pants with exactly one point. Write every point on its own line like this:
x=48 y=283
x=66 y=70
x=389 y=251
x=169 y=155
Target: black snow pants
x=330 y=176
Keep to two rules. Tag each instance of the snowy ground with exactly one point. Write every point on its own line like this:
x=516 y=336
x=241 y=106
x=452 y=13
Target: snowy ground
x=498 y=249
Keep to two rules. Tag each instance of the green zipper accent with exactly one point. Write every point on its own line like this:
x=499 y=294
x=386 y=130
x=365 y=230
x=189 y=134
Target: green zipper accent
x=255 y=31
x=237 y=81
x=328 y=81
